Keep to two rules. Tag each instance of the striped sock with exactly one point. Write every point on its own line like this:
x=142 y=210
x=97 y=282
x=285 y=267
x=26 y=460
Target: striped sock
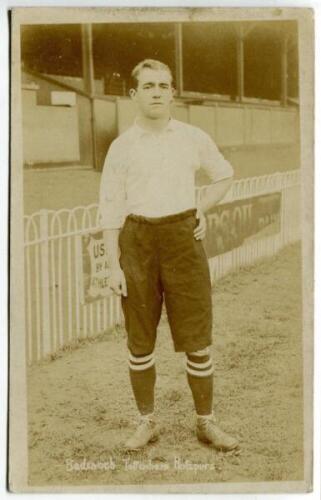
x=143 y=377
x=200 y=378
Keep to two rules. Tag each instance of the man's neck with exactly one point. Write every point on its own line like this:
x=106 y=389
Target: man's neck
x=155 y=126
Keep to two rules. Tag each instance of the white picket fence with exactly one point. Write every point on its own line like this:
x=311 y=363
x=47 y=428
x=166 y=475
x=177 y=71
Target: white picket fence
x=55 y=318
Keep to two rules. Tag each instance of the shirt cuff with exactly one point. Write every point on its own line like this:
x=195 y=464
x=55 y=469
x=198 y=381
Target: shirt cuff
x=223 y=176
x=224 y=171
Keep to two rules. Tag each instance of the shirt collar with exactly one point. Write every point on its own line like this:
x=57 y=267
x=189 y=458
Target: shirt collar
x=140 y=131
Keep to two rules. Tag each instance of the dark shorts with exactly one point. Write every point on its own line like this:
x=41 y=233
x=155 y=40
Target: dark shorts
x=162 y=260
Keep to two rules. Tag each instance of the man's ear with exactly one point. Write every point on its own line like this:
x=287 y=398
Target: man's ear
x=173 y=93
x=132 y=93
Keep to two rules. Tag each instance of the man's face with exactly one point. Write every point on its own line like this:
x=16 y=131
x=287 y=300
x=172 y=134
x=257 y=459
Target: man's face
x=154 y=93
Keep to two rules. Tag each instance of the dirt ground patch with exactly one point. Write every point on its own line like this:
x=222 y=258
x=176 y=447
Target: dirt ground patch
x=81 y=408
x=57 y=189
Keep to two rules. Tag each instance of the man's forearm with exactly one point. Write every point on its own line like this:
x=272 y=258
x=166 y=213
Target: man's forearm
x=215 y=194
x=112 y=247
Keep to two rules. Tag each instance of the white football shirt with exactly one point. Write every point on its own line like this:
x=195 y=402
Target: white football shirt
x=153 y=174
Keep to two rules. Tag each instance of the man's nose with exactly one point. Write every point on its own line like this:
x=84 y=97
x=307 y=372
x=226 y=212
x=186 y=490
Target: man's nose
x=157 y=91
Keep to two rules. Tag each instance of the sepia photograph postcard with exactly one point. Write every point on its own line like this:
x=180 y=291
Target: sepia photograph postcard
x=161 y=250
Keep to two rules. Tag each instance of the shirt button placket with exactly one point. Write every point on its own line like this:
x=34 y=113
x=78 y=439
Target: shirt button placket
x=161 y=150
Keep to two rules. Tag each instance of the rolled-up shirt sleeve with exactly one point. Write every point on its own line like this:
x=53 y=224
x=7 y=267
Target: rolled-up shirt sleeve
x=212 y=161
x=112 y=198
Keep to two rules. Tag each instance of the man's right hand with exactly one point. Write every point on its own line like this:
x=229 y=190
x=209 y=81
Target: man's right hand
x=117 y=281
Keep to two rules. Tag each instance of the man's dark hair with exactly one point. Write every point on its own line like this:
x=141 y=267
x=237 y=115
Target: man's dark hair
x=150 y=64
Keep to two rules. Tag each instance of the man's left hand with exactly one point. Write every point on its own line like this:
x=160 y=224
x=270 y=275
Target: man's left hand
x=200 y=230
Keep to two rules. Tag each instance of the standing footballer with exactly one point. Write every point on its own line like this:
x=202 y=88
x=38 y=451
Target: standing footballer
x=148 y=208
